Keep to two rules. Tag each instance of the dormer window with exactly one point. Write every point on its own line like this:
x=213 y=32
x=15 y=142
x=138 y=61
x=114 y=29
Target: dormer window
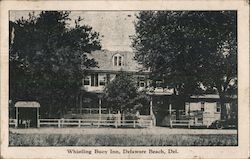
x=117 y=60
x=202 y=106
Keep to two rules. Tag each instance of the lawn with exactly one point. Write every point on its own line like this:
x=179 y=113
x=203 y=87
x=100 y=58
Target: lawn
x=16 y=139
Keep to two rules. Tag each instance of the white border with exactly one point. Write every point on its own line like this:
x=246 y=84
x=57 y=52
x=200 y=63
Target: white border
x=241 y=151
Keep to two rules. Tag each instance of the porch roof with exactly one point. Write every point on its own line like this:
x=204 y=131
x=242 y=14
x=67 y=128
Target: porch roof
x=27 y=104
x=211 y=96
x=205 y=96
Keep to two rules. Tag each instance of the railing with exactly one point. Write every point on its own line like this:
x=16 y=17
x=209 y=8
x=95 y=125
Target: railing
x=74 y=122
x=180 y=123
x=91 y=122
x=13 y=122
x=146 y=123
x=86 y=110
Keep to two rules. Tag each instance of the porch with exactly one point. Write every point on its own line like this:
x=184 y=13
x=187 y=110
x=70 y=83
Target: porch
x=196 y=118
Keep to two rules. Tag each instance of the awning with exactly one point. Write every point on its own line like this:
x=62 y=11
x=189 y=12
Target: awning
x=26 y=104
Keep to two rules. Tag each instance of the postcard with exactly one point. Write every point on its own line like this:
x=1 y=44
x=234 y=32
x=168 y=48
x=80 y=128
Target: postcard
x=125 y=79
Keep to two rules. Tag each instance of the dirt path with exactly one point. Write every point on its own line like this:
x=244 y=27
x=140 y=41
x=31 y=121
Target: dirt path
x=154 y=131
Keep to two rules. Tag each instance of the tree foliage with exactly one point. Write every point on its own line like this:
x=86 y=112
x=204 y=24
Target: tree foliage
x=48 y=57
x=122 y=95
x=189 y=49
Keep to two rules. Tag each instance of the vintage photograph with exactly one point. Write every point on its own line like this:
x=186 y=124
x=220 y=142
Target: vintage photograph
x=123 y=78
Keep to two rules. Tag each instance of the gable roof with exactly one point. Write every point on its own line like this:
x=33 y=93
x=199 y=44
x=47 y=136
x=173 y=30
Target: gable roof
x=105 y=62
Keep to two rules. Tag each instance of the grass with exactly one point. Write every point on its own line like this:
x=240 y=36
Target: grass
x=121 y=140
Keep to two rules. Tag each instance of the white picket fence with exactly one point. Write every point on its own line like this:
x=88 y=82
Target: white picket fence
x=13 y=122
x=88 y=122
x=180 y=123
x=91 y=122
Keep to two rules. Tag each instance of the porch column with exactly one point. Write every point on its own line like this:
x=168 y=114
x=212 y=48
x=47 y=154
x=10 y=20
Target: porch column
x=100 y=112
x=100 y=107
x=151 y=106
x=38 y=123
x=170 y=114
x=17 y=120
x=170 y=109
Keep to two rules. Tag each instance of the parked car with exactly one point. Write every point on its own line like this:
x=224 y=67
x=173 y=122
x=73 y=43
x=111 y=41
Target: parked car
x=224 y=124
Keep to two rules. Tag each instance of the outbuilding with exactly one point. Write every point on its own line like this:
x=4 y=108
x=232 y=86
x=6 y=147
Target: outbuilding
x=27 y=114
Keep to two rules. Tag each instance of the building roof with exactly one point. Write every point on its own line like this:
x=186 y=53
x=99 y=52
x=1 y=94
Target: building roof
x=206 y=96
x=105 y=63
x=211 y=96
x=27 y=104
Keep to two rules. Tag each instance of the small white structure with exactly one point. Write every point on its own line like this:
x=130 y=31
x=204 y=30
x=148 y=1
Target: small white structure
x=204 y=109
x=27 y=113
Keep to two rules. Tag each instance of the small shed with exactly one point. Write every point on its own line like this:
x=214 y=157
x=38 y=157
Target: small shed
x=27 y=113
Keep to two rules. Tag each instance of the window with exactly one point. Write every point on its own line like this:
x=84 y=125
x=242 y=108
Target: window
x=120 y=61
x=141 y=81
x=217 y=107
x=86 y=81
x=102 y=80
x=202 y=106
x=117 y=60
x=94 y=80
x=141 y=84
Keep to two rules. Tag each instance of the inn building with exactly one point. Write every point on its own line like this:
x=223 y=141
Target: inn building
x=202 y=110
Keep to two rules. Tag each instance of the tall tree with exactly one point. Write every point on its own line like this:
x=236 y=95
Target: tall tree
x=188 y=49
x=122 y=94
x=48 y=58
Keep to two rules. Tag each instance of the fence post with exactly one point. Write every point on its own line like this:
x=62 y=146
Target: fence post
x=171 y=123
x=116 y=124
x=100 y=111
x=134 y=123
x=59 y=123
x=15 y=120
x=151 y=123
x=118 y=118
x=189 y=124
x=38 y=123
x=79 y=123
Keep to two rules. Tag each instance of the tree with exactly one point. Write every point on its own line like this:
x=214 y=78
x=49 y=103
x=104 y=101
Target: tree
x=188 y=49
x=122 y=95
x=48 y=59
x=220 y=71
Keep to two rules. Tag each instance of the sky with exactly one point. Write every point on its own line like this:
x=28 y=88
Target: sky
x=115 y=27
